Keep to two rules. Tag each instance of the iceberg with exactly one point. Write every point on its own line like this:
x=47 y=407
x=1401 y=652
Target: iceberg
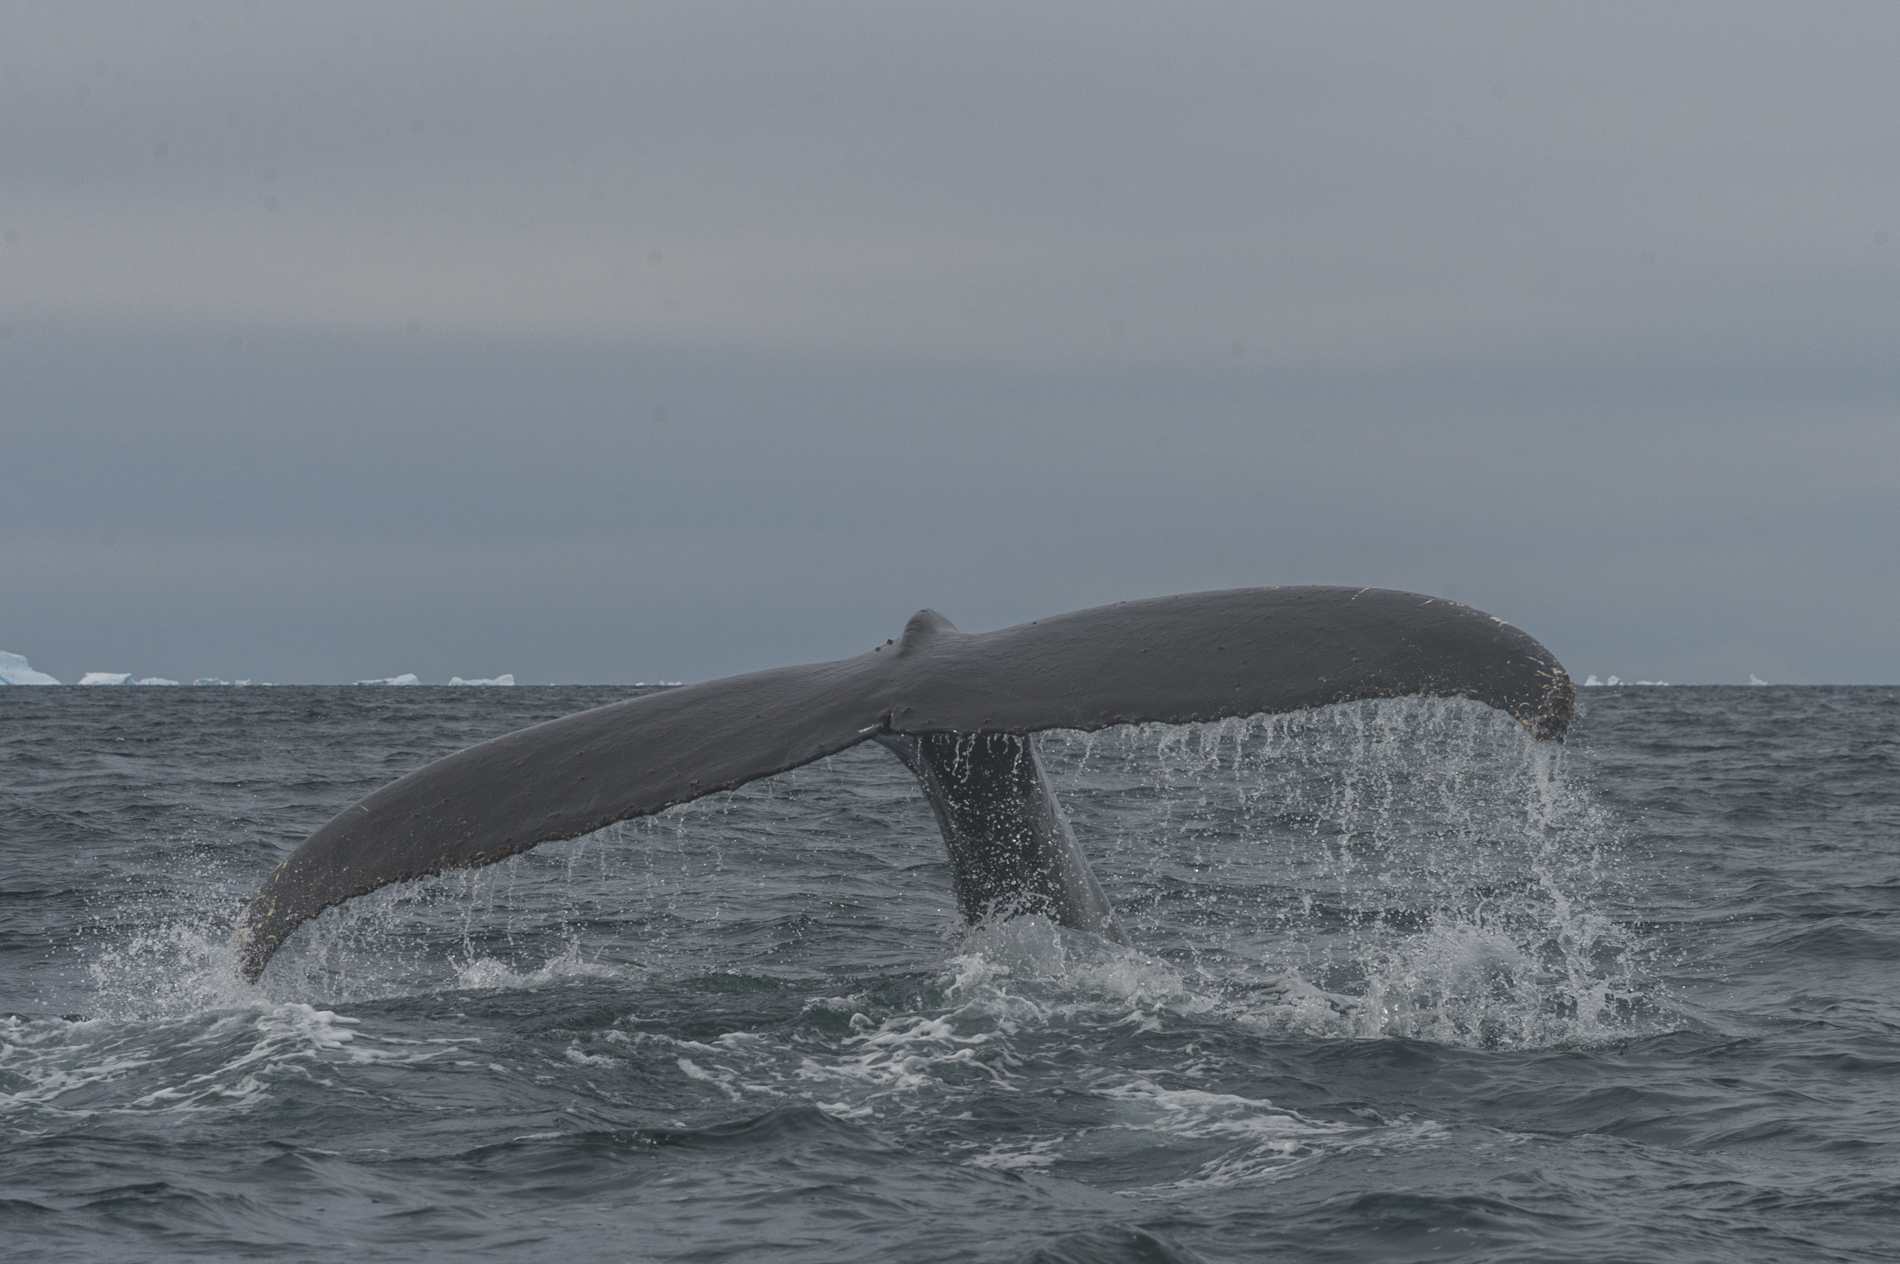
x=122 y=678
x=407 y=678
x=210 y=680
x=1753 y=679
x=15 y=671
x=1592 y=683
x=506 y=678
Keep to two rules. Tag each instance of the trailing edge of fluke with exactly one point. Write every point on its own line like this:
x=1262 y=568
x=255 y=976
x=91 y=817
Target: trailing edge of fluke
x=957 y=708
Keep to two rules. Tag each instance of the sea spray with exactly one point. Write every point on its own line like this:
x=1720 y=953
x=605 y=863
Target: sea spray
x=1413 y=867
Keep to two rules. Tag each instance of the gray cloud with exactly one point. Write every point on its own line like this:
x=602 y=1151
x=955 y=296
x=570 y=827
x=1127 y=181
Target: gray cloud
x=624 y=342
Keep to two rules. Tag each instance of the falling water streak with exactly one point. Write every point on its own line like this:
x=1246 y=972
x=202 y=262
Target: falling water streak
x=1420 y=864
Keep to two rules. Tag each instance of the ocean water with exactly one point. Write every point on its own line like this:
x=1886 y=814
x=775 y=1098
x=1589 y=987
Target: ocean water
x=1404 y=985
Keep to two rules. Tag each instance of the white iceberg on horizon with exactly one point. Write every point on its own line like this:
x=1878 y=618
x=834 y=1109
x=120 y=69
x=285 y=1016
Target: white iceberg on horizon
x=106 y=678
x=407 y=678
x=14 y=670
x=210 y=680
x=506 y=678
x=154 y=680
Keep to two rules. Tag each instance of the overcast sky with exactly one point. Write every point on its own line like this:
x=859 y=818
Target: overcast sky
x=619 y=342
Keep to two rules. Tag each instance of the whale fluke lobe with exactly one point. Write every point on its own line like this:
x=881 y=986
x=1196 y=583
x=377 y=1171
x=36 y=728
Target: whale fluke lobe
x=957 y=708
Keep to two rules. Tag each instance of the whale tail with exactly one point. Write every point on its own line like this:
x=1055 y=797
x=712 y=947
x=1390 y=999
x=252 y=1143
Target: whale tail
x=958 y=709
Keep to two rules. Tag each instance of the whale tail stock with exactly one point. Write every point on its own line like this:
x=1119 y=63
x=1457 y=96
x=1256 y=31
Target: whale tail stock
x=1011 y=849
x=958 y=709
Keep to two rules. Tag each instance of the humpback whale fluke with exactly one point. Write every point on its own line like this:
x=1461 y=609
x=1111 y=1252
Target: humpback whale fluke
x=957 y=708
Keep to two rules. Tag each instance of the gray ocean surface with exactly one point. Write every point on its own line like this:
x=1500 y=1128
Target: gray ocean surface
x=1404 y=985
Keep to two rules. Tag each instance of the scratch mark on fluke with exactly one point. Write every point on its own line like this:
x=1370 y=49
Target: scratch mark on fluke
x=958 y=709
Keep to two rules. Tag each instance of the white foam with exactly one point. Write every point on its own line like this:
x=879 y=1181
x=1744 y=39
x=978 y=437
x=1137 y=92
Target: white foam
x=1188 y=1112
x=575 y=1055
x=31 y=1053
x=1253 y=1138
x=14 y=670
x=721 y=1080
x=1028 y=970
x=227 y=1060
x=905 y=1054
x=488 y=974
x=1304 y=1142
x=1022 y=974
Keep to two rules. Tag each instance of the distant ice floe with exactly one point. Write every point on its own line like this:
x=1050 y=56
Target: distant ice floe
x=106 y=678
x=1753 y=679
x=407 y=678
x=15 y=671
x=506 y=678
x=1592 y=682
x=210 y=680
